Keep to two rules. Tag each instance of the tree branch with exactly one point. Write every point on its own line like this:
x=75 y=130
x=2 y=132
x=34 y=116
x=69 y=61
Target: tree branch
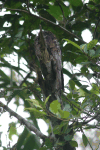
x=23 y=121
x=46 y=20
x=64 y=18
x=27 y=76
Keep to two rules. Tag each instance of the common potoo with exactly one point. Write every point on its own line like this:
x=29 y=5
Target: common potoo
x=48 y=52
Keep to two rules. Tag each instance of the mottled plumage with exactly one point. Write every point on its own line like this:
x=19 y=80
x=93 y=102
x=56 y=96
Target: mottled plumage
x=48 y=52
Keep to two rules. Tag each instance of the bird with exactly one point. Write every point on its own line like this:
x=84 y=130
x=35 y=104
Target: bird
x=48 y=53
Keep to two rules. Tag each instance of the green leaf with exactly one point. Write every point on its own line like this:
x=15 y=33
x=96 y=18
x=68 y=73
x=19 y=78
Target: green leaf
x=19 y=34
x=38 y=112
x=73 y=143
x=76 y=105
x=26 y=139
x=46 y=14
x=22 y=138
x=36 y=103
x=48 y=143
x=97 y=53
x=85 y=63
x=84 y=70
x=61 y=128
x=69 y=95
x=91 y=53
x=72 y=84
x=61 y=143
x=89 y=76
x=75 y=80
x=84 y=48
x=64 y=114
x=55 y=106
x=91 y=44
x=85 y=141
x=76 y=3
x=67 y=130
x=28 y=142
x=68 y=137
x=67 y=107
x=12 y=130
x=57 y=129
x=4 y=76
x=58 y=13
x=95 y=89
x=73 y=43
x=46 y=100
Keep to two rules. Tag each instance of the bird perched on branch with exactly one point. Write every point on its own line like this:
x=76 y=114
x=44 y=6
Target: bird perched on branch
x=48 y=52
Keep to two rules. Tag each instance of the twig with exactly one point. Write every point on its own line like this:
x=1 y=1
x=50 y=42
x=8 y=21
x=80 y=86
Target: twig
x=87 y=139
x=28 y=5
x=27 y=76
x=44 y=19
x=91 y=119
x=23 y=121
x=75 y=15
x=61 y=10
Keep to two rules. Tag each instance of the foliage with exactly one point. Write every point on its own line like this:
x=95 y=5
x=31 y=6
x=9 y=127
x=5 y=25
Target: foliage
x=19 y=24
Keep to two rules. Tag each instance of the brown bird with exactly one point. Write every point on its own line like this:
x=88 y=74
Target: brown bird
x=48 y=52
